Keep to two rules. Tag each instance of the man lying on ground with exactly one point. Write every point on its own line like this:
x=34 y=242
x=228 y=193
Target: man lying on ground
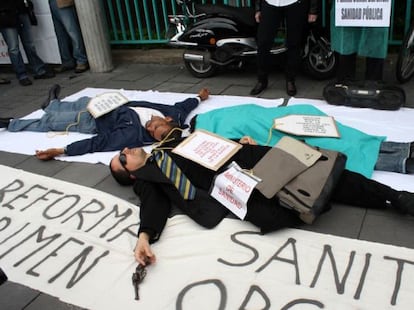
x=364 y=152
x=157 y=193
x=123 y=127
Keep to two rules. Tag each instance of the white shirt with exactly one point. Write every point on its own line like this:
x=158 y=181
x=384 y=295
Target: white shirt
x=280 y=2
x=145 y=114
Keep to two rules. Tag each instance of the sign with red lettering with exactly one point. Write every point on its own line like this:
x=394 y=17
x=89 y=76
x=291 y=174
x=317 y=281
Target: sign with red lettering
x=207 y=149
x=232 y=189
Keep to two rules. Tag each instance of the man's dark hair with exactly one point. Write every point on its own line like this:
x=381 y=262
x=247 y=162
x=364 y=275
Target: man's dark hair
x=121 y=176
x=176 y=134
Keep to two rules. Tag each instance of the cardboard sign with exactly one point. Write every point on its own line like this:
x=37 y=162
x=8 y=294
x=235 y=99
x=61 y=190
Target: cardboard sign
x=307 y=125
x=362 y=13
x=105 y=103
x=207 y=149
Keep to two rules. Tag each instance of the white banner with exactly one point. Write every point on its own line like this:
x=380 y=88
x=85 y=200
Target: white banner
x=44 y=37
x=362 y=13
x=76 y=243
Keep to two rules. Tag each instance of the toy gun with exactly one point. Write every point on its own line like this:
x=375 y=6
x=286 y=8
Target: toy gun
x=137 y=277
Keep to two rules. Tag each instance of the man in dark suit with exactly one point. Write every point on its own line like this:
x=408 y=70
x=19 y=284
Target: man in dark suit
x=158 y=194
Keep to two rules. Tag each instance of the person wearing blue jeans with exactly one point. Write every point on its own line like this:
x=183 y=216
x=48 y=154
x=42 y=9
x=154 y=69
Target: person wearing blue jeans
x=11 y=35
x=129 y=125
x=69 y=36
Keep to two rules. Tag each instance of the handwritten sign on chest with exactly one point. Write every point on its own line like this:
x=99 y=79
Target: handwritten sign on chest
x=307 y=125
x=207 y=149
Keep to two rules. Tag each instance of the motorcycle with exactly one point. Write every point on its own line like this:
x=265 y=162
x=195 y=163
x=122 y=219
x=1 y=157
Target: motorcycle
x=216 y=36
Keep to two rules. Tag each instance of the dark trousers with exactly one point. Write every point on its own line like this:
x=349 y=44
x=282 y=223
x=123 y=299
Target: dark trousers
x=295 y=16
x=347 y=66
x=352 y=189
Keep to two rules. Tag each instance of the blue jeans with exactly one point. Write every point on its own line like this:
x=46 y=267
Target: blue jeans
x=59 y=116
x=392 y=156
x=69 y=36
x=11 y=36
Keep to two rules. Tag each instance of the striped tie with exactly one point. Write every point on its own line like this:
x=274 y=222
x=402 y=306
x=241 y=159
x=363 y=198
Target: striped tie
x=174 y=173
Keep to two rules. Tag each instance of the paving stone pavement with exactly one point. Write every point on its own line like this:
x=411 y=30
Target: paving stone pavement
x=167 y=73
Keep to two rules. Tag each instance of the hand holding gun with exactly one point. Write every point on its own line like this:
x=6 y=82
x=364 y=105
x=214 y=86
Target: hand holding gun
x=137 y=277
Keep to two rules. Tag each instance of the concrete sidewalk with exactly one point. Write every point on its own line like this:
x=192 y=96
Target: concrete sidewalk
x=163 y=70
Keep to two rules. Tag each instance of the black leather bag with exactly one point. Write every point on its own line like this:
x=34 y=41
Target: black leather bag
x=365 y=94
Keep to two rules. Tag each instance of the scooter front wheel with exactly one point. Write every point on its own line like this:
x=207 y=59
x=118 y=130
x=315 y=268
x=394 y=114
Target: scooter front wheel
x=320 y=62
x=197 y=62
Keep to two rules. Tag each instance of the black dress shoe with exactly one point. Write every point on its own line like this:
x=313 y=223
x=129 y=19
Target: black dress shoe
x=5 y=121
x=46 y=75
x=54 y=92
x=258 y=88
x=25 y=82
x=291 y=88
x=4 y=81
x=62 y=69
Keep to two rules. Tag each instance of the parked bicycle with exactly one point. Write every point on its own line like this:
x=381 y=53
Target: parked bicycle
x=405 y=62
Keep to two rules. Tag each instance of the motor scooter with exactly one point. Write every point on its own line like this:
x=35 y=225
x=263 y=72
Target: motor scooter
x=216 y=36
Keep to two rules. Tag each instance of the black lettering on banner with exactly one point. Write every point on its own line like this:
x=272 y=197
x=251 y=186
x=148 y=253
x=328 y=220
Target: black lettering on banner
x=39 y=239
x=67 y=201
x=84 y=209
x=340 y=284
x=363 y=276
x=54 y=253
x=14 y=234
x=257 y=289
x=81 y=257
x=44 y=197
x=294 y=261
x=12 y=187
x=126 y=230
x=400 y=264
x=303 y=301
x=6 y=220
x=25 y=196
x=115 y=211
x=254 y=251
x=216 y=282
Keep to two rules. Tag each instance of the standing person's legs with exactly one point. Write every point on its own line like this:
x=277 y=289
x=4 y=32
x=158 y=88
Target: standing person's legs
x=11 y=37
x=269 y=22
x=296 y=20
x=25 y=32
x=69 y=18
x=346 y=67
x=374 y=68
x=64 y=41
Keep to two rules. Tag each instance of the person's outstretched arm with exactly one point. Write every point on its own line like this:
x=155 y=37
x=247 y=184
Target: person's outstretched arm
x=49 y=153
x=143 y=253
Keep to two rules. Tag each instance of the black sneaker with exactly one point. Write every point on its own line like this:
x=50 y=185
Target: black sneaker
x=54 y=92
x=25 y=82
x=46 y=75
x=5 y=121
x=4 y=81
x=404 y=202
x=62 y=69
